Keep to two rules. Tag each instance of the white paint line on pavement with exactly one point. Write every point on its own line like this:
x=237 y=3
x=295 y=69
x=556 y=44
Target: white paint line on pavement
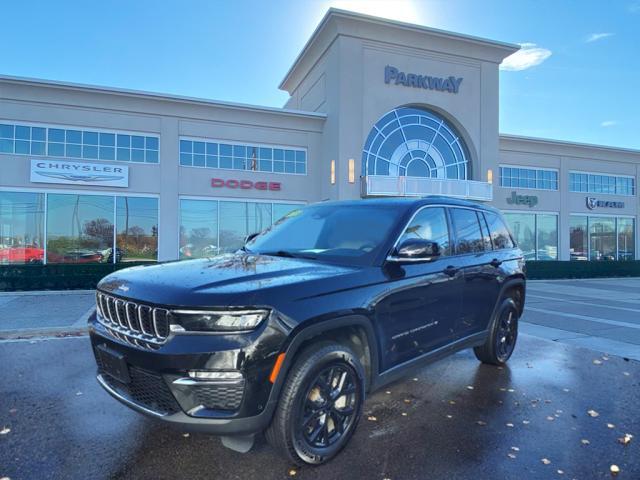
x=41 y=339
x=584 y=317
x=577 y=302
x=31 y=293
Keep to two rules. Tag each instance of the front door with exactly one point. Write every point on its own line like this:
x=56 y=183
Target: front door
x=418 y=310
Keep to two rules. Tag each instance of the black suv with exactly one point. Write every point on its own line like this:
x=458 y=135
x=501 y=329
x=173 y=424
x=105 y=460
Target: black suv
x=289 y=333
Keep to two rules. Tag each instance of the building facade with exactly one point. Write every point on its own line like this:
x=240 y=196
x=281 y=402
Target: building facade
x=376 y=108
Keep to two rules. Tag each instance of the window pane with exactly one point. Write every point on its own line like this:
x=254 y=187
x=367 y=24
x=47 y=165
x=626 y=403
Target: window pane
x=23 y=133
x=239 y=219
x=578 y=249
x=56 y=135
x=198 y=228
x=74 y=136
x=500 y=236
x=547 y=232
x=626 y=239
x=107 y=139
x=602 y=238
x=79 y=228
x=152 y=143
x=136 y=230
x=467 y=229
x=6 y=145
x=6 y=131
x=21 y=227
x=523 y=227
x=38 y=133
x=22 y=146
x=430 y=224
x=90 y=138
x=137 y=141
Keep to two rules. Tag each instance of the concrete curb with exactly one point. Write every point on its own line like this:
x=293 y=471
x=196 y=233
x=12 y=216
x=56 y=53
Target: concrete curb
x=46 y=293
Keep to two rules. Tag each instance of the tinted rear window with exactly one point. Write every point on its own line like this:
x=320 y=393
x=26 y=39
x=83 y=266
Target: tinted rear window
x=467 y=229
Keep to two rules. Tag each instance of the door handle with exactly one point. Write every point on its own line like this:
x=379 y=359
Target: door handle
x=451 y=270
x=495 y=263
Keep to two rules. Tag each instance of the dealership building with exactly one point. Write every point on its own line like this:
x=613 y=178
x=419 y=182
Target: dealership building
x=376 y=108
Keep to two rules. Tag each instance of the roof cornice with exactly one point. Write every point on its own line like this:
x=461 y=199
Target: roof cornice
x=338 y=22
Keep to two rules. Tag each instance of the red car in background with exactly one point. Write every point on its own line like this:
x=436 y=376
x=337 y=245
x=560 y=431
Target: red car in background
x=35 y=255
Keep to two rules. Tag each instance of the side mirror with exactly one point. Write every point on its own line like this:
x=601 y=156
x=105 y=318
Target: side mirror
x=415 y=250
x=250 y=237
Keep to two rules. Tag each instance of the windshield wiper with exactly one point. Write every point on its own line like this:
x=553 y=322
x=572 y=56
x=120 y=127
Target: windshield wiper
x=287 y=254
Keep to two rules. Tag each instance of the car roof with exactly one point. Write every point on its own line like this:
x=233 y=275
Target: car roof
x=413 y=202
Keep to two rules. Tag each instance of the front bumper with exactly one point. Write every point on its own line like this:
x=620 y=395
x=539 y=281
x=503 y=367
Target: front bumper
x=158 y=384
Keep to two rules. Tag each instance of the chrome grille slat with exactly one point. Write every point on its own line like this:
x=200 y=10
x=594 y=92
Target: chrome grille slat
x=136 y=324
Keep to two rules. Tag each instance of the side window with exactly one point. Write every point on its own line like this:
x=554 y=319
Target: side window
x=468 y=234
x=430 y=224
x=486 y=237
x=500 y=236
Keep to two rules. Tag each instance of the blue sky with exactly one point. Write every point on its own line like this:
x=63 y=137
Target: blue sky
x=578 y=80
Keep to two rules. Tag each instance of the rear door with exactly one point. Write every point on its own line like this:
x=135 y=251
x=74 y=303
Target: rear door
x=417 y=312
x=481 y=283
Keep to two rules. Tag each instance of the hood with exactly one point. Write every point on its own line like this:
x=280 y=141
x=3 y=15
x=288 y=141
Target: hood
x=236 y=279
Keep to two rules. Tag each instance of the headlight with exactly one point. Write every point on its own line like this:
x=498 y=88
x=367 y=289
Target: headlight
x=218 y=320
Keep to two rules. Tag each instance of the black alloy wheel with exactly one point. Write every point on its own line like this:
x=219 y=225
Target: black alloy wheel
x=503 y=335
x=328 y=408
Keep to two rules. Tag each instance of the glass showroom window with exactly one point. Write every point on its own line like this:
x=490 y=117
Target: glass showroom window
x=79 y=228
x=21 y=227
x=538 y=178
x=414 y=142
x=198 y=228
x=607 y=184
x=211 y=227
x=259 y=158
x=81 y=144
x=136 y=230
x=602 y=238
x=536 y=234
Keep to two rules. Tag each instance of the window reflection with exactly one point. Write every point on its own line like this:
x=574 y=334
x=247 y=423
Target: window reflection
x=468 y=235
x=523 y=226
x=626 y=239
x=198 y=228
x=547 y=237
x=429 y=224
x=79 y=228
x=136 y=230
x=602 y=238
x=578 y=247
x=21 y=227
x=239 y=219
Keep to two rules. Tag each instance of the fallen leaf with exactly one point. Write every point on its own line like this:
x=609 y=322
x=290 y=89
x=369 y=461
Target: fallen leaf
x=611 y=425
x=597 y=362
x=469 y=387
x=293 y=472
x=407 y=400
x=404 y=414
x=502 y=389
x=511 y=455
x=78 y=393
x=584 y=441
x=515 y=449
x=605 y=358
x=481 y=423
x=550 y=418
x=510 y=390
x=615 y=469
x=415 y=379
x=449 y=416
x=593 y=413
x=5 y=430
x=5 y=478
x=565 y=390
x=13 y=410
x=559 y=411
x=371 y=418
x=388 y=392
x=547 y=401
x=526 y=422
x=452 y=402
x=185 y=435
x=546 y=461
x=510 y=425
x=626 y=374
x=626 y=439
x=560 y=472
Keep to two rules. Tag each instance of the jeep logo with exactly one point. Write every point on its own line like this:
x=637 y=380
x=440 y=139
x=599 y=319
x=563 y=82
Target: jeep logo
x=529 y=200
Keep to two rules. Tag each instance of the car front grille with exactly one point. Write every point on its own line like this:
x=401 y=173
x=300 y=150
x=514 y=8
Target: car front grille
x=134 y=323
x=146 y=389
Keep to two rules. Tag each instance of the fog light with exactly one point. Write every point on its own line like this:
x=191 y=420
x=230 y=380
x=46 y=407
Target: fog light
x=208 y=375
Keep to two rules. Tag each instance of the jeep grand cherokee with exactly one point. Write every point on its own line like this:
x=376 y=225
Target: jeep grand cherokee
x=289 y=334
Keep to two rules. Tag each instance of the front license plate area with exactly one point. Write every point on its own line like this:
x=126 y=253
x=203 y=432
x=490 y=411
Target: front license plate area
x=114 y=364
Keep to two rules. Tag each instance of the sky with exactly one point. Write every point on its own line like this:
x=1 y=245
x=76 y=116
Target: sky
x=577 y=77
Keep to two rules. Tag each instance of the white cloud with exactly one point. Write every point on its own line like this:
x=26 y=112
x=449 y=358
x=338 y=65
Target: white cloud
x=594 y=37
x=608 y=123
x=528 y=56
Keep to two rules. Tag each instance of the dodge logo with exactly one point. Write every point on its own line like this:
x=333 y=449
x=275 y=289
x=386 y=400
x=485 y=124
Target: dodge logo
x=245 y=184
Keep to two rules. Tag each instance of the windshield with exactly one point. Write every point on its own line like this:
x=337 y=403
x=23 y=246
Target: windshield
x=352 y=234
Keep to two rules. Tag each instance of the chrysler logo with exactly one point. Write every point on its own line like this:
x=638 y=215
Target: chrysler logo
x=80 y=178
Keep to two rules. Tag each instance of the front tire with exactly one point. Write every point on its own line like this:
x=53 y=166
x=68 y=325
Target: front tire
x=320 y=405
x=503 y=335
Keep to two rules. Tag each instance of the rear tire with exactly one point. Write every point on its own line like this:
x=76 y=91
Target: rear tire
x=503 y=335
x=319 y=406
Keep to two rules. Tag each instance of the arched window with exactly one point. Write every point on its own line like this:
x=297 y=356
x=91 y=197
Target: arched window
x=414 y=142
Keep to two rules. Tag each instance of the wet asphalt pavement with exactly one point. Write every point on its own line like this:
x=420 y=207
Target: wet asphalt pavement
x=463 y=420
